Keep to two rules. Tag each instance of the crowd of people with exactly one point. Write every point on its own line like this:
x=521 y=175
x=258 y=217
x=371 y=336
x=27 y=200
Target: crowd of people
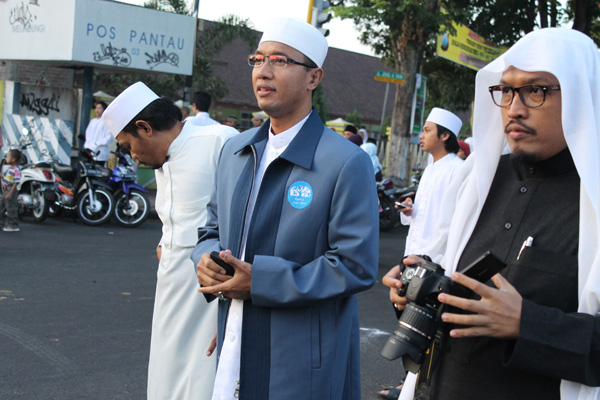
x=264 y=250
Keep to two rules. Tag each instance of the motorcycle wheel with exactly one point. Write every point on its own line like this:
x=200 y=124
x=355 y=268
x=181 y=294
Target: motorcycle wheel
x=132 y=210
x=388 y=216
x=41 y=208
x=85 y=211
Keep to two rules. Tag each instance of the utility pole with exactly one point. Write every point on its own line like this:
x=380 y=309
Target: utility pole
x=189 y=80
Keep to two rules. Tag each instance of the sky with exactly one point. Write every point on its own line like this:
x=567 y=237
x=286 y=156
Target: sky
x=342 y=34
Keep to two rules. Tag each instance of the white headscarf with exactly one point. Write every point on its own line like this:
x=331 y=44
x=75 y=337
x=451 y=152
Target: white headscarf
x=573 y=59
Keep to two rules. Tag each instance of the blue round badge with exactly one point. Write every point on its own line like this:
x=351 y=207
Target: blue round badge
x=300 y=195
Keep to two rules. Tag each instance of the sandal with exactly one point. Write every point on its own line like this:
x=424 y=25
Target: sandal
x=392 y=391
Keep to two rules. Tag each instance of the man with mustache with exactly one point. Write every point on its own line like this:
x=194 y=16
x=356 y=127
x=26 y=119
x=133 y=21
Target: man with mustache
x=284 y=215
x=534 y=331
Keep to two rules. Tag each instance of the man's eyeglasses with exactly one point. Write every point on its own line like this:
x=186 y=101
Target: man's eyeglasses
x=257 y=60
x=531 y=95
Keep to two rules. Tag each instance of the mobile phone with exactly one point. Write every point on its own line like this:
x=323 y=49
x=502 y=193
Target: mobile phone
x=229 y=270
x=484 y=267
x=398 y=204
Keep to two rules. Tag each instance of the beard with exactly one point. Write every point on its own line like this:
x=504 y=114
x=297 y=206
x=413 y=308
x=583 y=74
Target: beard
x=524 y=157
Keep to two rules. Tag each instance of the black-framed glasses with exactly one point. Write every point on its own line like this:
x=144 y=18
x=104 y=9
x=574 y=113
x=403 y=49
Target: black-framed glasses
x=532 y=96
x=257 y=60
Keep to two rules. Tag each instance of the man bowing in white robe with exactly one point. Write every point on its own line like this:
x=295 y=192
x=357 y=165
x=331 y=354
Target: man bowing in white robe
x=185 y=158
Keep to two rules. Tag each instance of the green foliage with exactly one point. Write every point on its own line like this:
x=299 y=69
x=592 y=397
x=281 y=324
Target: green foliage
x=319 y=103
x=172 y=6
x=354 y=119
x=212 y=40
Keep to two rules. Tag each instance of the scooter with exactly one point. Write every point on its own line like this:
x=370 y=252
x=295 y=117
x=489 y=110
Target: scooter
x=132 y=204
x=83 y=189
x=36 y=188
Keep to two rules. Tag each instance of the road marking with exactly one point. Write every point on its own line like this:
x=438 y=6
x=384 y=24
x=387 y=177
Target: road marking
x=366 y=334
x=62 y=364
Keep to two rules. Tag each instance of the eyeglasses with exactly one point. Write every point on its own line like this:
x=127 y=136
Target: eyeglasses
x=532 y=96
x=257 y=60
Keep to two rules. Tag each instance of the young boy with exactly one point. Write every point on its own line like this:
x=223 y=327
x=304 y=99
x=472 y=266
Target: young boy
x=8 y=202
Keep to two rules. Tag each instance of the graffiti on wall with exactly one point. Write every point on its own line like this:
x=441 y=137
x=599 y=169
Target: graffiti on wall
x=40 y=105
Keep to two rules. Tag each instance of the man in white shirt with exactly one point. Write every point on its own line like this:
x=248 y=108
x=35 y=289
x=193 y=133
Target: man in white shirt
x=97 y=135
x=438 y=139
x=185 y=158
x=200 y=106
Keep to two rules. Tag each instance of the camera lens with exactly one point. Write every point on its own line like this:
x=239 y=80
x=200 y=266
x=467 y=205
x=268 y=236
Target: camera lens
x=413 y=335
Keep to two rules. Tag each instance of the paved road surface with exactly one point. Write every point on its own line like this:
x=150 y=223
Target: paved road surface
x=76 y=307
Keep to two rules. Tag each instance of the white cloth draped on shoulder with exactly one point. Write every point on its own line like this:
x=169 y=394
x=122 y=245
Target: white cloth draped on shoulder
x=574 y=60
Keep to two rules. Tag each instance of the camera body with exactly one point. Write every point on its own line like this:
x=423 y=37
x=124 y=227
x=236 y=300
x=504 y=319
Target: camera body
x=421 y=319
x=419 y=322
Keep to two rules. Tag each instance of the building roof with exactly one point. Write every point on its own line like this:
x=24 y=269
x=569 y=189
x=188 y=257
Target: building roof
x=348 y=83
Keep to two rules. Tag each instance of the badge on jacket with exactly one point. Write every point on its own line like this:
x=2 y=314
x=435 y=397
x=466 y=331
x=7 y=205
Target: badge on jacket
x=300 y=195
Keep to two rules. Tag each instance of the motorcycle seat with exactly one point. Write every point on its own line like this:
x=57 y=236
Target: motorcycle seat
x=64 y=170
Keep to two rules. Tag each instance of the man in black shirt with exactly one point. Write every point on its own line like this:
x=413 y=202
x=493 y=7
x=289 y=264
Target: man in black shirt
x=534 y=331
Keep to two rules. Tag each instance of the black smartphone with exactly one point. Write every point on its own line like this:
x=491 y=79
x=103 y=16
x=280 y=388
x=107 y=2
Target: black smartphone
x=484 y=267
x=229 y=270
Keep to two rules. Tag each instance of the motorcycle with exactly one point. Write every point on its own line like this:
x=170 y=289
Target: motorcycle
x=132 y=204
x=388 y=216
x=83 y=189
x=36 y=188
x=390 y=198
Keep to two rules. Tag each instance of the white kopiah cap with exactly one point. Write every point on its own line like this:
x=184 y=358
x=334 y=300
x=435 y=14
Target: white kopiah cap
x=446 y=119
x=299 y=35
x=126 y=106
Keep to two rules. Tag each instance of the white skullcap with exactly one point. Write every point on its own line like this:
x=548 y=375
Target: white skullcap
x=299 y=35
x=126 y=106
x=446 y=119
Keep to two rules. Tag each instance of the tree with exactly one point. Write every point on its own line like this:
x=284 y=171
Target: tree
x=398 y=30
x=354 y=119
x=173 y=6
x=319 y=102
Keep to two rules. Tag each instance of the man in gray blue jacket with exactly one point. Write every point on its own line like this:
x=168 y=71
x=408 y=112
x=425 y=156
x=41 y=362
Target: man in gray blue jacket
x=285 y=215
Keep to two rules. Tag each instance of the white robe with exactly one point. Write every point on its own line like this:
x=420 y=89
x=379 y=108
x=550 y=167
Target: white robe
x=427 y=207
x=98 y=138
x=183 y=323
x=201 y=119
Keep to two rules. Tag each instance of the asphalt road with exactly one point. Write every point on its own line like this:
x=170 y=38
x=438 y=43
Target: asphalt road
x=76 y=308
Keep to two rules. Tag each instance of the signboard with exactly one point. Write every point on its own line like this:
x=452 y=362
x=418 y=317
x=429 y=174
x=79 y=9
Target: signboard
x=97 y=33
x=393 y=77
x=467 y=48
x=418 y=108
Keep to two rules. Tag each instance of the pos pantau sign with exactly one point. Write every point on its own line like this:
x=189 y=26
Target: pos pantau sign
x=96 y=33
x=389 y=77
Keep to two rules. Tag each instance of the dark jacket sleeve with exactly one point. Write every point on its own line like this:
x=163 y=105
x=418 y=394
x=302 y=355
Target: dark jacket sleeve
x=557 y=344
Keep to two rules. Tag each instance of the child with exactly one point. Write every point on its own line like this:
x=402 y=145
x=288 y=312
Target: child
x=8 y=202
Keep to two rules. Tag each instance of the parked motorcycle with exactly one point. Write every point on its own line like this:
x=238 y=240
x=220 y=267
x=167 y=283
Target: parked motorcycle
x=390 y=198
x=83 y=189
x=36 y=188
x=132 y=204
x=388 y=216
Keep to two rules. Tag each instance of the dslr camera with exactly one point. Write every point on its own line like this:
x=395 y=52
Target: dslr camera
x=419 y=323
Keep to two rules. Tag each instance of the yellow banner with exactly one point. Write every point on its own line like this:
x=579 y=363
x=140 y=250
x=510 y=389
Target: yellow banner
x=467 y=48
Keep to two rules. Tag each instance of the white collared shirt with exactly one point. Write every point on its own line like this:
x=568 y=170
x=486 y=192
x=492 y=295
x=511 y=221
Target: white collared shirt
x=228 y=369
